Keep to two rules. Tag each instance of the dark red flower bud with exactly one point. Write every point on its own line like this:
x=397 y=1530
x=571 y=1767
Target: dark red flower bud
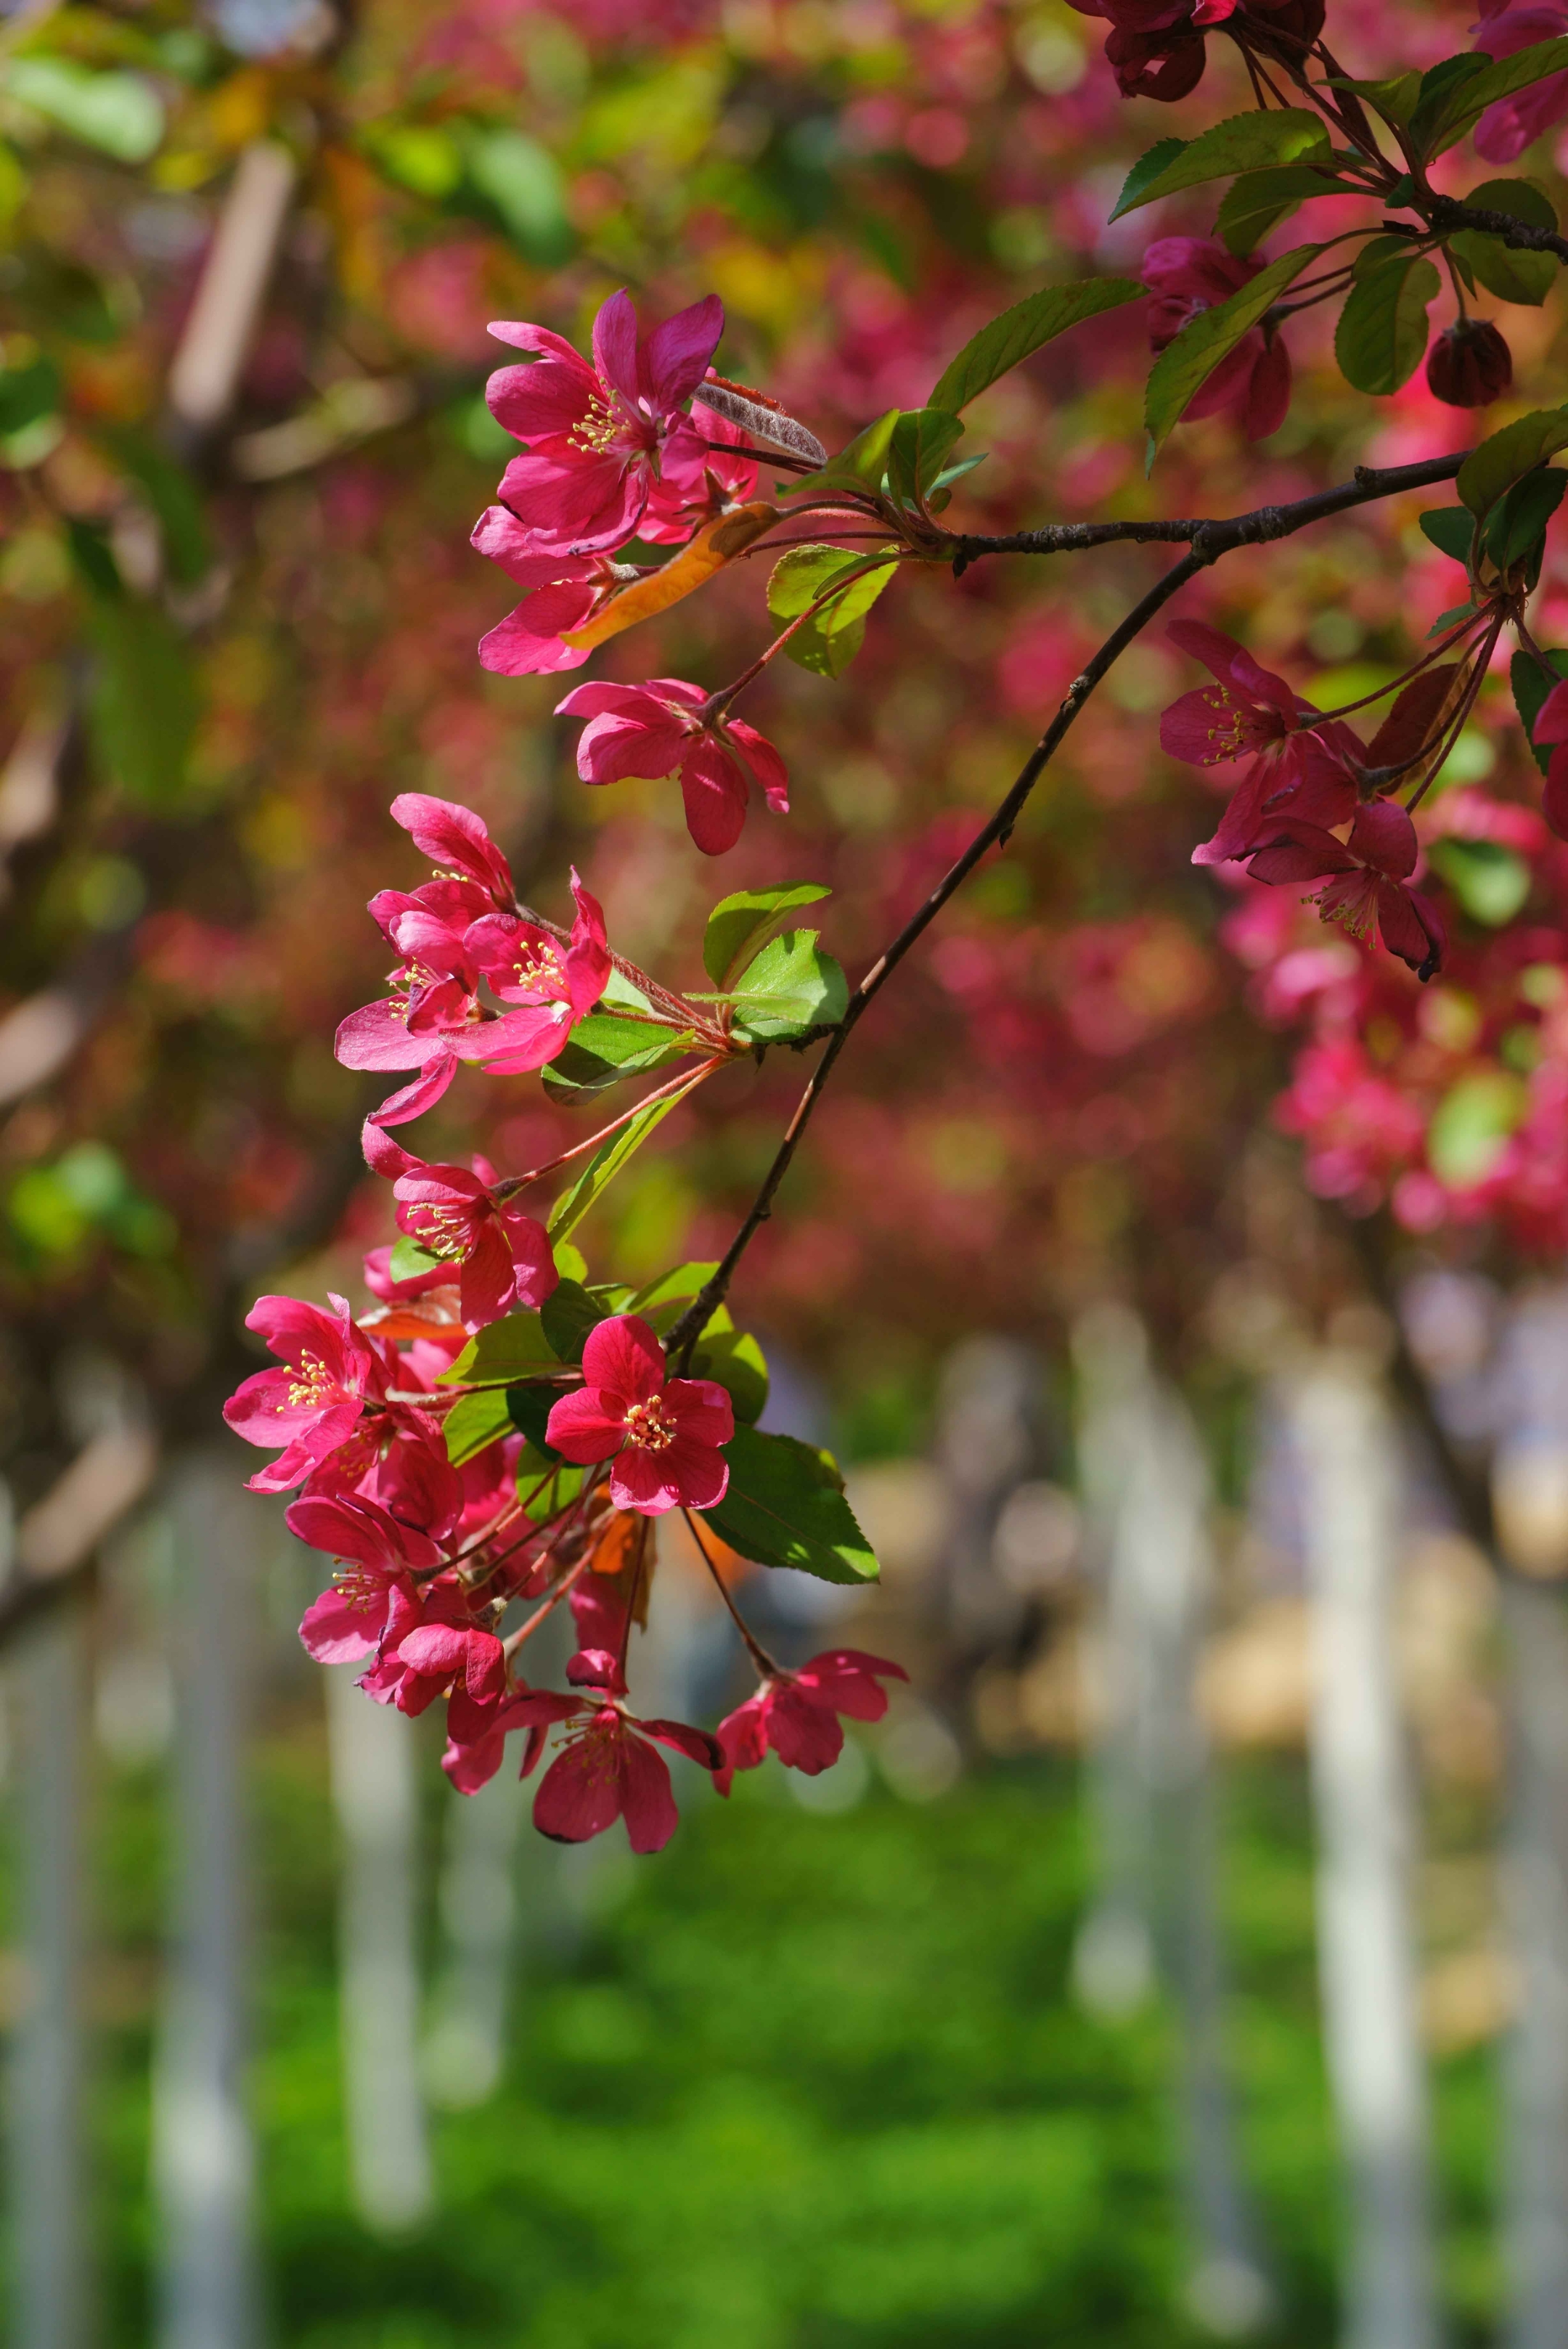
x=1469 y=365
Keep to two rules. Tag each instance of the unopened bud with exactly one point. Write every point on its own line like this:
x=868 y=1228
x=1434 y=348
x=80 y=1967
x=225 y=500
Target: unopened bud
x=1469 y=365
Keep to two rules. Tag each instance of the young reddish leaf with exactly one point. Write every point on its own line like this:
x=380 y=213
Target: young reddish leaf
x=710 y=551
x=1414 y=717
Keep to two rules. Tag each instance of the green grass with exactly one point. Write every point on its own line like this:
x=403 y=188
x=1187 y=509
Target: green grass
x=814 y=2083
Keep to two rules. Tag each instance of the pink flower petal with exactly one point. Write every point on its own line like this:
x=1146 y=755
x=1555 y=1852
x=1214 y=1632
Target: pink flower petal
x=623 y=1355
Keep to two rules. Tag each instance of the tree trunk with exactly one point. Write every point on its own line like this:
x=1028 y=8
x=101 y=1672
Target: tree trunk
x=1349 y=1452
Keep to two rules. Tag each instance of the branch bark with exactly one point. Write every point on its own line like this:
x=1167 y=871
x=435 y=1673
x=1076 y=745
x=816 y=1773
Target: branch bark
x=1208 y=541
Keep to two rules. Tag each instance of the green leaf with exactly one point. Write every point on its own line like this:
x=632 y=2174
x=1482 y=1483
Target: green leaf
x=739 y=925
x=786 y=1506
x=1440 y=91
x=661 y=1302
x=528 y=1409
x=1254 y=205
x=503 y=1353
x=119 y=113
x=829 y=640
x=1382 y=335
x=143 y=703
x=1503 y=458
x=1010 y=338
x=1468 y=102
x=1471 y=1126
x=1516 y=526
x=1451 y=529
x=419 y=156
x=1531 y=688
x=27 y=393
x=602 y=1050
x=735 y=1359
x=1246 y=142
x=1185 y=365
x=93 y=558
x=474 y=1422
x=1488 y=880
x=567 y=1316
x=859 y=465
x=604 y=1165
x=1150 y=165
x=790 y=989
x=408 y=1259
x=921 y=440
x=1512 y=276
x=1451 y=619
x=545 y=1486
x=1395 y=97
x=1524 y=278
x=519 y=179
x=173 y=497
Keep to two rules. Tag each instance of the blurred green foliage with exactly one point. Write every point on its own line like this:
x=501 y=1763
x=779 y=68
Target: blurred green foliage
x=809 y=2082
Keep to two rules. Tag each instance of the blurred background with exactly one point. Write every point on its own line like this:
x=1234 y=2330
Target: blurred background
x=1186 y=1955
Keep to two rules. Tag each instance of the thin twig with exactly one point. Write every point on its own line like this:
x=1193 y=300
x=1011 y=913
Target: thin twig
x=1209 y=541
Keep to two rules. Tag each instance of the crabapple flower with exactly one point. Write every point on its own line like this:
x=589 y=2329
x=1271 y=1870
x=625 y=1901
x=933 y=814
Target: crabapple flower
x=457 y=841
x=1365 y=880
x=1469 y=364
x=435 y=1019
x=503 y=1256
x=1188 y=275
x=375 y=1554
x=313 y=1401
x=1156 y=47
x=600 y=438
x=797 y=1712
x=562 y=592
x=682 y=505
x=664 y=1435
x=431 y=1645
x=524 y=965
x=1248 y=709
x=1507 y=129
x=608 y=1770
x=1551 y=728
x=661 y=728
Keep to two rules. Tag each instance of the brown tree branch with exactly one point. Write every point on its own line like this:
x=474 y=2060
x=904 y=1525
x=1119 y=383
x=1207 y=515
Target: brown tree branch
x=1209 y=541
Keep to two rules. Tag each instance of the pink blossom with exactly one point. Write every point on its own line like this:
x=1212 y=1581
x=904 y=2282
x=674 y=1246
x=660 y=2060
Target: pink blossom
x=347 y=1621
x=503 y=1256
x=661 y=728
x=797 y=1712
x=664 y=1435
x=600 y=438
x=524 y=965
x=563 y=592
x=455 y=840
x=608 y=1770
x=451 y=936
x=1507 y=129
x=680 y=505
x=431 y=1645
x=477 y=1731
x=1367 y=875
x=1551 y=726
x=1188 y=275
x=1156 y=47
x=1303 y=767
x=313 y=1403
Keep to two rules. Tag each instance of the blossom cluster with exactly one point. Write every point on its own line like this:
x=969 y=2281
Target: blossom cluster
x=433 y=1552
x=497 y=1436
